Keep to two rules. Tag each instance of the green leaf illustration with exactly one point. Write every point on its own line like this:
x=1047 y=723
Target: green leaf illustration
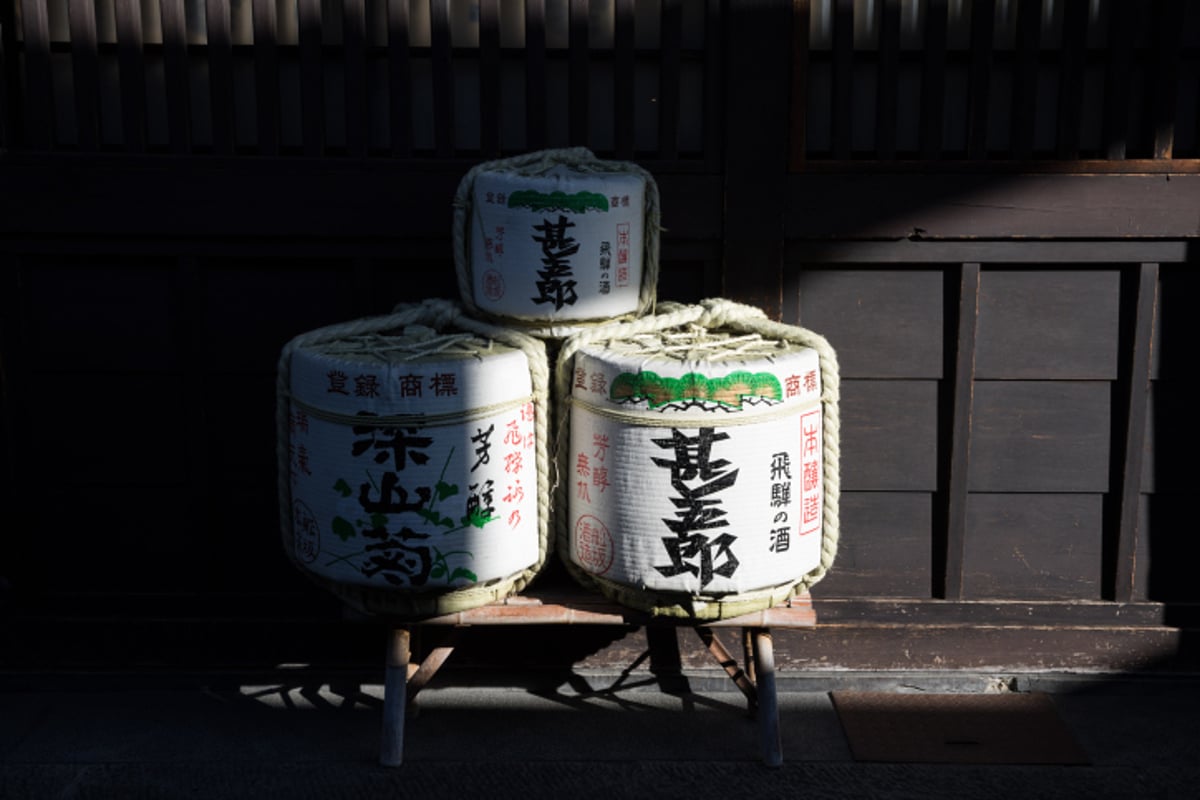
x=579 y=202
x=445 y=490
x=379 y=520
x=343 y=488
x=478 y=517
x=343 y=529
x=728 y=390
x=441 y=567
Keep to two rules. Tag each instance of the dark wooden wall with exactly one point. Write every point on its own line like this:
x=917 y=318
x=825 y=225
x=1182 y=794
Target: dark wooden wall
x=1008 y=290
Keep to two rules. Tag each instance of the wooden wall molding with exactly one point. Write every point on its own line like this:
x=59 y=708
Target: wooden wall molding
x=992 y=206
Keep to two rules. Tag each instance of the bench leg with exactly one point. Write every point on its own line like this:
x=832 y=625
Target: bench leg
x=768 y=702
x=748 y=653
x=395 y=698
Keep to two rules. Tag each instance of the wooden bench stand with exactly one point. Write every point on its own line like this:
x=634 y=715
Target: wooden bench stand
x=756 y=679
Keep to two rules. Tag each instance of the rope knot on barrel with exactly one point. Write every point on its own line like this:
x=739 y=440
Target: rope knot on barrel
x=441 y=311
x=719 y=313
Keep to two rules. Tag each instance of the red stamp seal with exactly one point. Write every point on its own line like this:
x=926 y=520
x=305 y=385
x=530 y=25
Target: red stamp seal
x=307 y=534
x=493 y=285
x=593 y=545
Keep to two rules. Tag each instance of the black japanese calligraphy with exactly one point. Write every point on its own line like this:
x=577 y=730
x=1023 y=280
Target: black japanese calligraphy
x=556 y=284
x=393 y=498
x=697 y=478
x=394 y=559
x=401 y=444
x=483 y=446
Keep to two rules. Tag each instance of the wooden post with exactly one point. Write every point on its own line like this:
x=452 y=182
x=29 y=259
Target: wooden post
x=395 y=699
x=949 y=584
x=768 y=703
x=1128 y=435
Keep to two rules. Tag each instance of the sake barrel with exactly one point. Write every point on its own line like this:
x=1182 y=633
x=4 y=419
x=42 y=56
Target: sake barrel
x=696 y=470
x=557 y=238
x=412 y=465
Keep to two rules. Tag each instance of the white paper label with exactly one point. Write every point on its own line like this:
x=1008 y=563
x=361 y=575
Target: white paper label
x=557 y=247
x=723 y=496
x=409 y=506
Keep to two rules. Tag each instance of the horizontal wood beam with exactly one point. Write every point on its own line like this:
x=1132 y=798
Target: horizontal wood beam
x=237 y=612
x=1011 y=251
x=590 y=609
x=904 y=647
x=263 y=198
x=996 y=166
x=862 y=206
x=921 y=635
x=1008 y=613
x=333 y=248
x=853 y=634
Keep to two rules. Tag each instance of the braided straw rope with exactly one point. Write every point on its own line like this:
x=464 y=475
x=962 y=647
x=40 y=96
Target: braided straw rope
x=713 y=314
x=439 y=315
x=579 y=159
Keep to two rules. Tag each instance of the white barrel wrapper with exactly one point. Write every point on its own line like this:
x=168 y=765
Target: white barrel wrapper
x=566 y=245
x=444 y=502
x=717 y=493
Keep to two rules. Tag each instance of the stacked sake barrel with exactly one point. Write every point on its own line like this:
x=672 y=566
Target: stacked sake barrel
x=694 y=447
x=556 y=241
x=698 y=476
x=412 y=460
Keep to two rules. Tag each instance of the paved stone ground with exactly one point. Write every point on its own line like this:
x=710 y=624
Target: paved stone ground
x=583 y=740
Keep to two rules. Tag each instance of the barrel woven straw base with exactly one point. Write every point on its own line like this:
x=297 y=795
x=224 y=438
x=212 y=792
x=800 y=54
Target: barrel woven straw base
x=1011 y=728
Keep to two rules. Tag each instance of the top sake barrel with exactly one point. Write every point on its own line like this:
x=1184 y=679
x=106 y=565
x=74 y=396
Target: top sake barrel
x=557 y=238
